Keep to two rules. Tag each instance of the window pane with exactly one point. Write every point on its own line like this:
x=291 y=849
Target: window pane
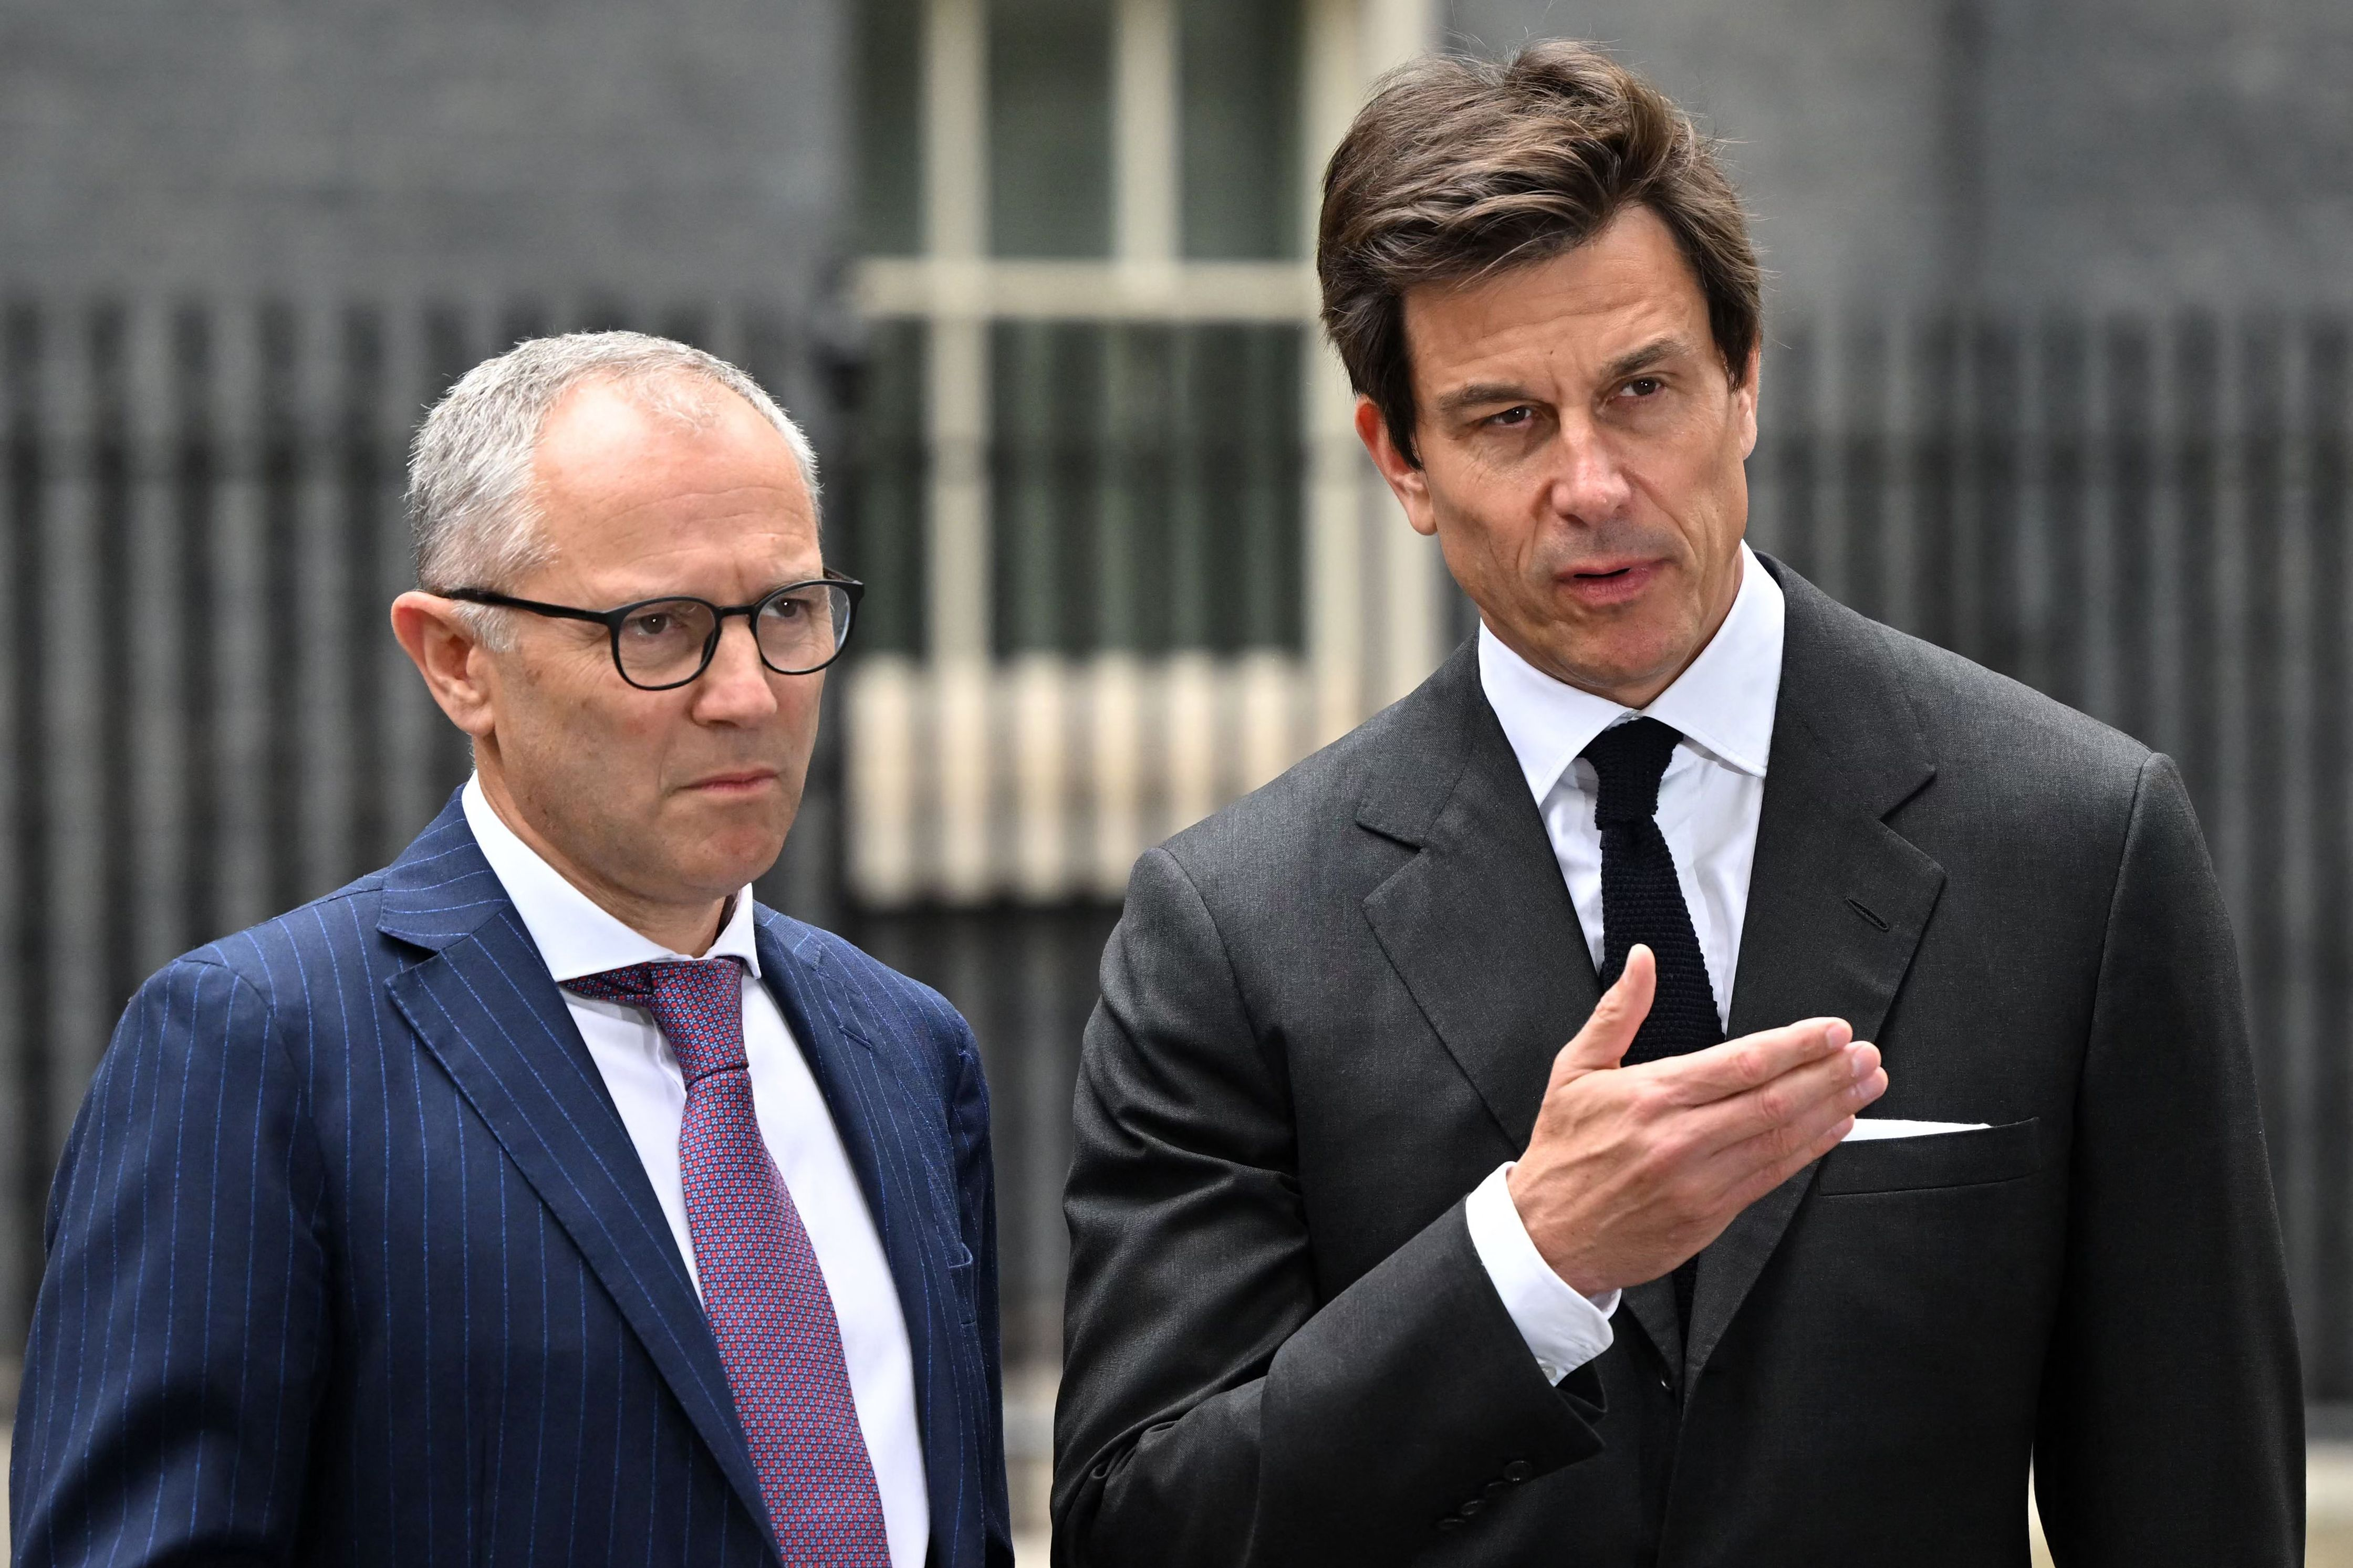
x=889 y=126
x=889 y=474
x=1146 y=488
x=1233 y=572
x=1241 y=85
x=1130 y=608
x=1049 y=127
x=1046 y=377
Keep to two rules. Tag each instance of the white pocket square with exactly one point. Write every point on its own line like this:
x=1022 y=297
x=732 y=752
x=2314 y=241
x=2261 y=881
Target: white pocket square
x=1867 y=1128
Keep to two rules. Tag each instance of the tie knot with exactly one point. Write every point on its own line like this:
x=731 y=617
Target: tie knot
x=1629 y=760
x=697 y=1004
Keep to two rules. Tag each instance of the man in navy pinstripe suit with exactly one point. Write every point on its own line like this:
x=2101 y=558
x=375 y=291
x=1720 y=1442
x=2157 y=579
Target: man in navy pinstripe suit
x=541 y=1198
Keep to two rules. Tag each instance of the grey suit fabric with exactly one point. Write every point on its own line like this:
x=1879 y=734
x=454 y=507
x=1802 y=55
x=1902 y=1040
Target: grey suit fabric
x=1330 y=1010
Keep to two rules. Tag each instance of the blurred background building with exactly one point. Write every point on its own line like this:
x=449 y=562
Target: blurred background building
x=2059 y=375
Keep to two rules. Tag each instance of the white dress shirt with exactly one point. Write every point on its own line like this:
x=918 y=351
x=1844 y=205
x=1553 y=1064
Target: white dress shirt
x=1709 y=803
x=577 y=937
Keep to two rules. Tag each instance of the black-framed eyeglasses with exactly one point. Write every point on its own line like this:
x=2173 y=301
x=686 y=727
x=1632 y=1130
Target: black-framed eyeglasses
x=661 y=644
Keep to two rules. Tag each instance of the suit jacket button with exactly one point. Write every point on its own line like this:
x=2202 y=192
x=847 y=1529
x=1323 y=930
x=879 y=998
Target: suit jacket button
x=1450 y=1523
x=1473 y=1506
x=1517 y=1470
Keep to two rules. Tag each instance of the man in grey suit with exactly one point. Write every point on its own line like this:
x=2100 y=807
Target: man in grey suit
x=1368 y=1268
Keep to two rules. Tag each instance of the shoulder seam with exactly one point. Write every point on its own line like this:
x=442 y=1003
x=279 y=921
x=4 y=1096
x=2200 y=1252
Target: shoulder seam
x=1225 y=948
x=2148 y=766
x=273 y=1039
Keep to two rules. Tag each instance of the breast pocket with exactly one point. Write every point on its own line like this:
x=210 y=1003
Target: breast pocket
x=1970 y=1159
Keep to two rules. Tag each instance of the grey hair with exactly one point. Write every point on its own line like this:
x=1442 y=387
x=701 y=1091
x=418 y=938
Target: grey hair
x=470 y=510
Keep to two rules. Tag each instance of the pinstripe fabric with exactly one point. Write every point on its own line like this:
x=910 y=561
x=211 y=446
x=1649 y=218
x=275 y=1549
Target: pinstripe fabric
x=352 y=1261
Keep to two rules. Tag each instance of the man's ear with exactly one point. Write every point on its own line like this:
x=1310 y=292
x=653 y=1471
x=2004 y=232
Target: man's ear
x=1745 y=399
x=1407 y=481
x=448 y=653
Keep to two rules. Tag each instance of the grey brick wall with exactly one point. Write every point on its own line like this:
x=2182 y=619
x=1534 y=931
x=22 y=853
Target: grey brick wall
x=2105 y=154
x=2171 y=150
x=1822 y=98
x=401 y=147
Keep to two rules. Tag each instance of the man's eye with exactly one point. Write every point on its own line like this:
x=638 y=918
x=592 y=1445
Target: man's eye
x=1511 y=418
x=1645 y=386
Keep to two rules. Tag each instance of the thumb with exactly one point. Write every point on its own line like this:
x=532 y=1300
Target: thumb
x=1602 y=1042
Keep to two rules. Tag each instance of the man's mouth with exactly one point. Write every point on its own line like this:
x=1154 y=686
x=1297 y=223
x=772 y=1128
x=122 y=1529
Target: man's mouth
x=1610 y=583
x=740 y=781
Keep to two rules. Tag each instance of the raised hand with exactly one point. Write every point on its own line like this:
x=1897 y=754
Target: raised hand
x=1633 y=1170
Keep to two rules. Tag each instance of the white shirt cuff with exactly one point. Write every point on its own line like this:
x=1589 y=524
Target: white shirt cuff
x=1564 y=1328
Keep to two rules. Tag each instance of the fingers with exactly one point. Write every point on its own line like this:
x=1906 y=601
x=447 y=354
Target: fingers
x=1794 y=1105
x=1815 y=1128
x=1739 y=1067
x=1603 y=1041
x=1825 y=1098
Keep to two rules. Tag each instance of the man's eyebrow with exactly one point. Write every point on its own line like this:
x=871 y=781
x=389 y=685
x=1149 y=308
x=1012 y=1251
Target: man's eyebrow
x=1643 y=358
x=1479 y=393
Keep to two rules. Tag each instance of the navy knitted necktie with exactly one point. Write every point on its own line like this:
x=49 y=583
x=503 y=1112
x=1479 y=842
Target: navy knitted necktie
x=1640 y=900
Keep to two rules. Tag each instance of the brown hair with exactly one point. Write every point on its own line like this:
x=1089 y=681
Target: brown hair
x=1461 y=168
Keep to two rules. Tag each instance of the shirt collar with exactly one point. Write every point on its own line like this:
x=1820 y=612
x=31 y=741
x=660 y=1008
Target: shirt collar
x=575 y=934
x=1723 y=703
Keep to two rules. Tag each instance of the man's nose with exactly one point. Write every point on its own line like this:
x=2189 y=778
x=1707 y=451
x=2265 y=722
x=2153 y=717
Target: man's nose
x=1589 y=483
x=736 y=689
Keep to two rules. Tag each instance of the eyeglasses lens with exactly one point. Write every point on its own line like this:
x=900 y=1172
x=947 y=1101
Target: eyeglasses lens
x=661 y=643
x=802 y=628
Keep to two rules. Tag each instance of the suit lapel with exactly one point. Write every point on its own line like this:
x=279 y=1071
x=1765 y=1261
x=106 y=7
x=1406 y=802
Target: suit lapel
x=875 y=1108
x=1480 y=928
x=486 y=1009
x=1838 y=899
x=1479 y=925
x=799 y=990
x=872 y=1107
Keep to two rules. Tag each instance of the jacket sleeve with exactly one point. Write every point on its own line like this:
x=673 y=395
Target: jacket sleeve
x=977 y=1205
x=176 y=1342
x=2171 y=1428
x=1219 y=1405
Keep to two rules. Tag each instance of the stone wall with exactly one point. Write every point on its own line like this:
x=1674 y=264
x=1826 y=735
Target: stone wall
x=422 y=147
x=2099 y=153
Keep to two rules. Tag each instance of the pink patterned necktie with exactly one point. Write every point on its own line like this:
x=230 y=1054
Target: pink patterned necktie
x=761 y=1289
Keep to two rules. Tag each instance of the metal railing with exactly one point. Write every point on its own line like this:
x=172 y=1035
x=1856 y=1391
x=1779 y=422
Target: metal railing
x=2145 y=519
x=205 y=719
